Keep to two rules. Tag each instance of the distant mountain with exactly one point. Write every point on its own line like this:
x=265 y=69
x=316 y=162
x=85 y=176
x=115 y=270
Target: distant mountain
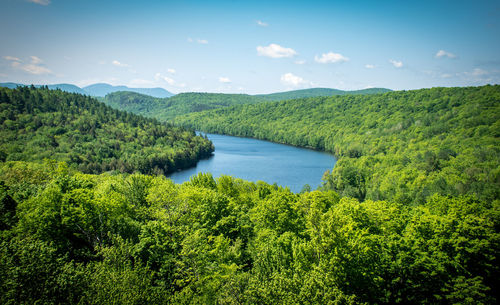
x=10 y=85
x=103 y=89
x=63 y=87
x=68 y=88
x=315 y=92
x=98 y=89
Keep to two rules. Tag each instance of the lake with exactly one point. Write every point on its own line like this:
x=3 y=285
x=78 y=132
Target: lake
x=254 y=160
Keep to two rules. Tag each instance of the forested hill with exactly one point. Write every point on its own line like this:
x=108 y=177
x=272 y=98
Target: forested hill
x=316 y=92
x=165 y=109
x=38 y=124
x=404 y=145
x=168 y=108
x=72 y=238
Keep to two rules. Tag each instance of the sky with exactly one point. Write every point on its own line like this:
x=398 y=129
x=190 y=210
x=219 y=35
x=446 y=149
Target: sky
x=251 y=46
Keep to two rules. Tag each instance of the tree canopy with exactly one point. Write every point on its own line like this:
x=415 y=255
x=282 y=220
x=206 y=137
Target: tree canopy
x=37 y=124
x=402 y=145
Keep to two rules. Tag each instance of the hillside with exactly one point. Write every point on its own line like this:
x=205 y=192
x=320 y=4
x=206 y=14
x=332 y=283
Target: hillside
x=316 y=92
x=168 y=108
x=402 y=146
x=183 y=103
x=72 y=238
x=38 y=124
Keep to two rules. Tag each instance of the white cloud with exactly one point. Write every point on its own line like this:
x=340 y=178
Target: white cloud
x=290 y=79
x=300 y=62
x=41 y=2
x=479 y=72
x=200 y=41
x=275 y=51
x=443 y=53
x=168 y=80
x=119 y=64
x=34 y=69
x=330 y=57
x=368 y=66
x=171 y=71
x=396 y=63
x=446 y=75
x=11 y=58
x=35 y=60
x=262 y=23
x=224 y=80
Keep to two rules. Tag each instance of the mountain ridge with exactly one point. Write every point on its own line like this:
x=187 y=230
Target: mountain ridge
x=97 y=90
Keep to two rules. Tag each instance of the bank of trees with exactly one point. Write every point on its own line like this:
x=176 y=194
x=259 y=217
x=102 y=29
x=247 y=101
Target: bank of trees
x=409 y=215
x=68 y=237
x=37 y=123
x=166 y=109
x=403 y=146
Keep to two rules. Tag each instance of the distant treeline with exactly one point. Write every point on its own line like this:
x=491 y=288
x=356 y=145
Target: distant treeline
x=403 y=146
x=37 y=124
x=166 y=109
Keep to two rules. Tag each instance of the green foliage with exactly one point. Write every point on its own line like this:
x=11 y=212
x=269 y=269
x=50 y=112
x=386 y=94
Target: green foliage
x=166 y=109
x=93 y=138
x=136 y=239
x=403 y=145
x=315 y=92
x=68 y=237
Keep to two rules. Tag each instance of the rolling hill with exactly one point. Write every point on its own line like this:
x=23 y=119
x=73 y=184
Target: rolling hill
x=168 y=108
x=38 y=124
x=314 y=92
x=402 y=145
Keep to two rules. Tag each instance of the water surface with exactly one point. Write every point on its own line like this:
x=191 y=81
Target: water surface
x=255 y=160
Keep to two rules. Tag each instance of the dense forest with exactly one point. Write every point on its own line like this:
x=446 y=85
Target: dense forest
x=166 y=109
x=37 y=124
x=409 y=215
x=316 y=92
x=403 y=146
x=73 y=238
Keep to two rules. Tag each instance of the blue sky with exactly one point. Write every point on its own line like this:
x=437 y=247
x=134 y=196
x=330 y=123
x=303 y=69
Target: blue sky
x=251 y=46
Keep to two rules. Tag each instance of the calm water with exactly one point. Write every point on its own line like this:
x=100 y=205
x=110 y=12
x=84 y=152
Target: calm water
x=255 y=160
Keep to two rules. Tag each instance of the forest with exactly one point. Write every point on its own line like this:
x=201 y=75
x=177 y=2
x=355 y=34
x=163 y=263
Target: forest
x=409 y=215
x=403 y=146
x=38 y=124
x=74 y=238
x=166 y=109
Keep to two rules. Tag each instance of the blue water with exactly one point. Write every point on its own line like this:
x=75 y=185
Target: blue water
x=255 y=160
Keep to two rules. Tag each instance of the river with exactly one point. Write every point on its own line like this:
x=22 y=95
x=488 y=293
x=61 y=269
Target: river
x=254 y=160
